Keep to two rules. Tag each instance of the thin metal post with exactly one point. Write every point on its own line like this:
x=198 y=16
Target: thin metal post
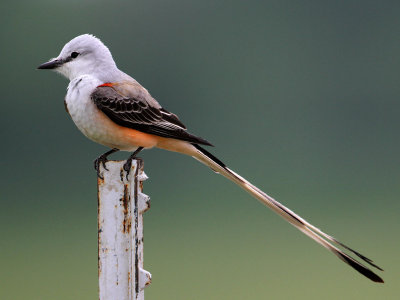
x=121 y=205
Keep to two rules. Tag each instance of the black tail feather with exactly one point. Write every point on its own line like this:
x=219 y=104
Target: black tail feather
x=360 y=268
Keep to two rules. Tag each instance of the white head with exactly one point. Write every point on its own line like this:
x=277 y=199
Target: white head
x=84 y=54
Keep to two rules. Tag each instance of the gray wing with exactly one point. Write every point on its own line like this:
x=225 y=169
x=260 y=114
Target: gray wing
x=136 y=113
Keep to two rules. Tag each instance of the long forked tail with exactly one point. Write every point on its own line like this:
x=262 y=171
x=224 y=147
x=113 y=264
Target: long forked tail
x=313 y=232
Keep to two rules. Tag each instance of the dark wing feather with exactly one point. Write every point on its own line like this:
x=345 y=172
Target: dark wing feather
x=137 y=113
x=170 y=117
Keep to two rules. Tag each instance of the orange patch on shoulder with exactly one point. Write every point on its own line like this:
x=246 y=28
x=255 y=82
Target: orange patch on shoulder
x=106 y=84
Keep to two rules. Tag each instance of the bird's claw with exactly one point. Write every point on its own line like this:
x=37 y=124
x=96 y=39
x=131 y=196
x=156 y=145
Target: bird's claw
x=102 y=159
x=128 y=164
x=127 y=167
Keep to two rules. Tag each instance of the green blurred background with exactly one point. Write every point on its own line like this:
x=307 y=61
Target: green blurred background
x=300 y=97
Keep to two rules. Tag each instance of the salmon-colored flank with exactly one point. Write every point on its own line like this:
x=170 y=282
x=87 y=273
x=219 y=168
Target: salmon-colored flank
x=135 y=137
x=106 y=84
x=128 y=139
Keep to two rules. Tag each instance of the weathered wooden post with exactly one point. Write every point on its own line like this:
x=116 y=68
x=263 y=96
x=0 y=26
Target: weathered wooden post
x=121 y=205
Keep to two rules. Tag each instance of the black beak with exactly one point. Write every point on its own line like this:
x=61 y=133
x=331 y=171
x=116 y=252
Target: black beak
x=51 y=64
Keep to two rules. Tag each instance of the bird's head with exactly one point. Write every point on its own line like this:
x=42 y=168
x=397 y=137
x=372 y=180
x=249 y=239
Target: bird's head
x=84 y=54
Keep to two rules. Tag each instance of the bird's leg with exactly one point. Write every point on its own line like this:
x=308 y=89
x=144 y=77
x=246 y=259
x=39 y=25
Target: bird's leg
x=102 y=159
x=128 y=164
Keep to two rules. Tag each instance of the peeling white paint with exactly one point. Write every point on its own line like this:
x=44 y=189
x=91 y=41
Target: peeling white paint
x=120 y=216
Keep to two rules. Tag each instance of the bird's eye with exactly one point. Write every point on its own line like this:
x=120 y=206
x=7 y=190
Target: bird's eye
x=74 y=54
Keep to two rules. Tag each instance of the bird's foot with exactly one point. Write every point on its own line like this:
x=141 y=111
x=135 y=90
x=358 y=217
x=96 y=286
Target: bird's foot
x=127 y=167
x=101 y=160
x=128 y=164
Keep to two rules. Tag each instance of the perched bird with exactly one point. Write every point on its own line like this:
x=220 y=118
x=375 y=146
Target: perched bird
x=113 y=109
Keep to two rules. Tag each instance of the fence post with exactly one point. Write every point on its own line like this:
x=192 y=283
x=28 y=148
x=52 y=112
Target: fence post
x=121 y=205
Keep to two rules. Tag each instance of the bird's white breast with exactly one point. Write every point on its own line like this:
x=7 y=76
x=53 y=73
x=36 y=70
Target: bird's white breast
x=81 y=107
x=88 y=118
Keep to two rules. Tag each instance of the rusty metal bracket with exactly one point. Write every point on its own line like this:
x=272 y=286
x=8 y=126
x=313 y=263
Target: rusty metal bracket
x=121 y=205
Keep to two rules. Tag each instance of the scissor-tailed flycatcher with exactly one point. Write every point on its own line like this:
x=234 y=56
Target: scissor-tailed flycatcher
x=113 y=109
